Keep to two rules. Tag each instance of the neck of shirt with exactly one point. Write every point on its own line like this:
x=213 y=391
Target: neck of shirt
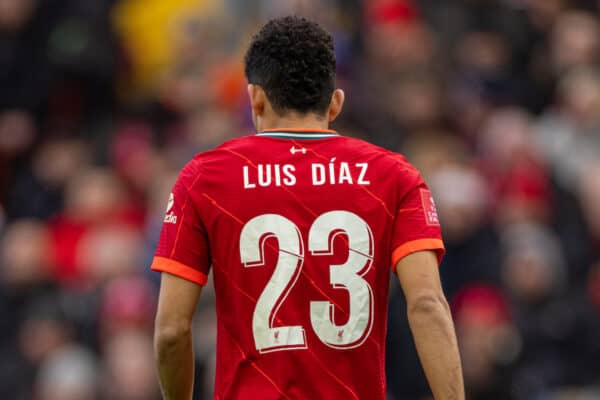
x=288 y=133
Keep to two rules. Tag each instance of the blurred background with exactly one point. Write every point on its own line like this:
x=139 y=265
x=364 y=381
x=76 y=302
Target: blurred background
x=102 y=102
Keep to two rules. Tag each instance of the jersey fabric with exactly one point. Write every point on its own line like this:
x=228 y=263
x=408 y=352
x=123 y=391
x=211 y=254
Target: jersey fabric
x=300 y=229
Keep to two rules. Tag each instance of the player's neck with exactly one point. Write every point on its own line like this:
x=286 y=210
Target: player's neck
x=294 y=121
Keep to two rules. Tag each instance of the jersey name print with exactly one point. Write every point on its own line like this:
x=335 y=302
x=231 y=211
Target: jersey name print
x=265 y=175
x=300 y=230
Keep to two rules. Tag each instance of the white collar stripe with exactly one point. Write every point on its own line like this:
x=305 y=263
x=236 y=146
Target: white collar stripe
x=298 y=135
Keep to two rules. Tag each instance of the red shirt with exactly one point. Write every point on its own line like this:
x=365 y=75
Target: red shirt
x=300 y=228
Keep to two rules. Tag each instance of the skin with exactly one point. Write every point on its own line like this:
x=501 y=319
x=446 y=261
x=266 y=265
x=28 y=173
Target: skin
x=431 y=324
x=428 y=311
x=264 y=117
x=173 y=336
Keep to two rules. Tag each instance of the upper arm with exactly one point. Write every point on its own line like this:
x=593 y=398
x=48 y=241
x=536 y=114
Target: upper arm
x=176 y=302
x=419 y=276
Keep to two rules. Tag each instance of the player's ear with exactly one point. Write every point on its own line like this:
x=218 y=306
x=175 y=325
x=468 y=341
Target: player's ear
x=336 y=104
x=257 y=99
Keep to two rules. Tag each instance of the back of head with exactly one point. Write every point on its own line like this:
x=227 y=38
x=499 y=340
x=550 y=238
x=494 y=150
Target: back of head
x=293 y=60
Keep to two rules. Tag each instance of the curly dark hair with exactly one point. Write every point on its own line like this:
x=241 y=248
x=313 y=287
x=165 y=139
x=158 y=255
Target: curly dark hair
x=293 y=60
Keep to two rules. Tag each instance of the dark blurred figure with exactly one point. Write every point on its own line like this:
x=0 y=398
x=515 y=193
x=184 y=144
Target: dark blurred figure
x=129 y=371
x=535 y=275
x=37 y=192
x=24 y=33
x=31 y=323
x=488 y=339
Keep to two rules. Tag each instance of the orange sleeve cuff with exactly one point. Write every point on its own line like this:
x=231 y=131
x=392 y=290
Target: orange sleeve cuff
x=418 y=245
x=178 y=269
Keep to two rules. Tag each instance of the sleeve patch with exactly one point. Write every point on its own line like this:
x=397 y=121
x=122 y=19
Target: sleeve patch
x=431 y=215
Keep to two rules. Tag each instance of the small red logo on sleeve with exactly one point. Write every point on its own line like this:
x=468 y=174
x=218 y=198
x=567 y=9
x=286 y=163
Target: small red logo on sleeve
x=431 y=215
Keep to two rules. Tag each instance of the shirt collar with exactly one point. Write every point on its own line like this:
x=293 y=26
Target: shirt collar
x=288 y=133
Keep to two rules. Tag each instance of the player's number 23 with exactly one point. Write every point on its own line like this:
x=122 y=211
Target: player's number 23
x=348 y=275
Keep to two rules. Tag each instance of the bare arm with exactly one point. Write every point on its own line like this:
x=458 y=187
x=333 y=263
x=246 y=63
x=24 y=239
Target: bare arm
x=173 y=336
x=431 y=324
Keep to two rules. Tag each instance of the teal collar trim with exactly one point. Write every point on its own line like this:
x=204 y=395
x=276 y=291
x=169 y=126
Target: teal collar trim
x=302 y=135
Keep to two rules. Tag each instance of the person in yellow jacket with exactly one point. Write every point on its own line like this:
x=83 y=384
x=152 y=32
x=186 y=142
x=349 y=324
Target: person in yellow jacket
x=146 y=29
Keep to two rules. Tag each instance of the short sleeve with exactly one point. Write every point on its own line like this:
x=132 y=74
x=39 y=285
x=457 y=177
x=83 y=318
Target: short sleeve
x=183 y=248
x=416 y=225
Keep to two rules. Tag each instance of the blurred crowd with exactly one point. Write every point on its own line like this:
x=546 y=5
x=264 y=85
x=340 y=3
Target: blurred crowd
x=497 y=102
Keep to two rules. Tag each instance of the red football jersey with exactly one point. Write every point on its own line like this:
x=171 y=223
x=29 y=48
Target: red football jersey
x=300 y=229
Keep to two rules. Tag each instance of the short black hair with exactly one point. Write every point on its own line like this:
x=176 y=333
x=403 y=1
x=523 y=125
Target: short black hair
x=293 y=60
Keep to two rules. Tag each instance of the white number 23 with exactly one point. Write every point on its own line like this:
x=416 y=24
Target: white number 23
x=348 y=276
